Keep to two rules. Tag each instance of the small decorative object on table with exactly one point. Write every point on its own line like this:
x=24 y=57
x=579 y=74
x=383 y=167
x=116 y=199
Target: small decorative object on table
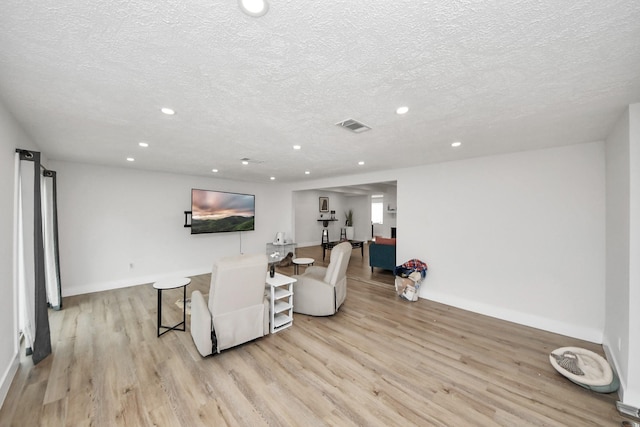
x=273 y=258
x=286 y=261
x=280 y=255
x=349 y=215
x=349 y=224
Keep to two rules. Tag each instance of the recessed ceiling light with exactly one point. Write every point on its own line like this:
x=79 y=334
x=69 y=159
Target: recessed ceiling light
x=168 y=111
x=245 y=162
x=361 y=163
x=214 y=170
x=402 y=110
x=307 y=172
x=456 y=144
x=143 y=144
x=254 y=8
x=130 y=159
x=273 y=178
x=296 y=147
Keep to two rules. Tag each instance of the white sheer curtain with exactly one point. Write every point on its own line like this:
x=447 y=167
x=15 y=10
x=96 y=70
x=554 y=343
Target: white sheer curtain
x=26 y=313
x=29 y=265
x=51 y=270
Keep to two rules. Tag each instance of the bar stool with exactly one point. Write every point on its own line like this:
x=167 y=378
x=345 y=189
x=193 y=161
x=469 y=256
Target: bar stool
x=343 y=234
x=325 y=236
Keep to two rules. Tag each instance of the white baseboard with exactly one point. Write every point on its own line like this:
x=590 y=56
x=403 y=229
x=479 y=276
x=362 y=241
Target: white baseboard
x=125 y=283
x=7 y=378
x=307 y=244
x=613 y=361
x=628 y=410
x=550 y=325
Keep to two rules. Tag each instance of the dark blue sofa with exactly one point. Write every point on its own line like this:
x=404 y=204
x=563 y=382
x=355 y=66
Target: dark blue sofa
x=382 y=256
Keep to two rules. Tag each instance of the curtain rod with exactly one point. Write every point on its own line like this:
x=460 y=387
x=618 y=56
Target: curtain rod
x=29 y=155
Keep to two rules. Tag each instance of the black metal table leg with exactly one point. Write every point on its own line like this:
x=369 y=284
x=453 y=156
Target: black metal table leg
x=159 y=310
x=184 y=310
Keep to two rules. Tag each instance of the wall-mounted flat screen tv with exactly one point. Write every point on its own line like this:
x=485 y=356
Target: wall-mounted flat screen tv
x=219 y=211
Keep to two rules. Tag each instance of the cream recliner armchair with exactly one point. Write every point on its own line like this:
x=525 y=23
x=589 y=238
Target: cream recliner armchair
x=320 y=291
x=238 y=310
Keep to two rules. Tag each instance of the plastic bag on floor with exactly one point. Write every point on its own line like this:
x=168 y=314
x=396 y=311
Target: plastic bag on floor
x=407 y=289
x=409 y=277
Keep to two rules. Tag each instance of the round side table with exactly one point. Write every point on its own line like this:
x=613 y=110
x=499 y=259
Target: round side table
x=172 y=283
x=301 y=261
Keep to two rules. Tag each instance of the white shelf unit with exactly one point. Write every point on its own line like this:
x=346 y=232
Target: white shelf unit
x=281 y=301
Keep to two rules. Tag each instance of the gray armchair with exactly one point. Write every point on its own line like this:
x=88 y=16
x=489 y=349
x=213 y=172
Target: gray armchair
x=238 y=310
x=320 y=291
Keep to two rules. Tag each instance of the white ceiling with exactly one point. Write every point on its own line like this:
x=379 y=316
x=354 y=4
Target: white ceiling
x=385 y=187
x=87 y=80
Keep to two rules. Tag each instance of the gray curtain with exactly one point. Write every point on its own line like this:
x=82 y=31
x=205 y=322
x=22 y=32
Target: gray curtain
x=42 y=340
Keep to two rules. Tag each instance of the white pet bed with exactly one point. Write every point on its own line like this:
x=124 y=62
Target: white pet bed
x=585 y=368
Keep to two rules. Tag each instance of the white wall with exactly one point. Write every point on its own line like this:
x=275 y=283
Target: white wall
x=617 y=247
x=110 y=218
x=632 y=391
x=361 y=206
x=307 y=228
x=519 y=236
x=621 y=339
x=11 y=137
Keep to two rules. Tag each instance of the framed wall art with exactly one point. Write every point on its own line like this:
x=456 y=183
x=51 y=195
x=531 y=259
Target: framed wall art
x=324 y=204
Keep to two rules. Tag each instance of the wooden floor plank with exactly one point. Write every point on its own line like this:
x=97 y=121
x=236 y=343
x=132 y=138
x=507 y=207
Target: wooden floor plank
x=379 y=361
x=54 y=413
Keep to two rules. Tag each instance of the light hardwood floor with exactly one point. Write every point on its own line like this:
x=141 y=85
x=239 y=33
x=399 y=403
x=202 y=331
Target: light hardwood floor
x=381 y=361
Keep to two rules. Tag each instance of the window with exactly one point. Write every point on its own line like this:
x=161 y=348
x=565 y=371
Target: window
x=376 y=212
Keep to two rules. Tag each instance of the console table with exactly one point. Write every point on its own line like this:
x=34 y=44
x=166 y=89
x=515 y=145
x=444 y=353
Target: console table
x=354 y=244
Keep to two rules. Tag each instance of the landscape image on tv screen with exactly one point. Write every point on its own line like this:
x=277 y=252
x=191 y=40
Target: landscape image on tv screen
x=218 y=211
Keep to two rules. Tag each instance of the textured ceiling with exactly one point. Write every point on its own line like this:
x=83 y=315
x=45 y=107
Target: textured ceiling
x=87 y=80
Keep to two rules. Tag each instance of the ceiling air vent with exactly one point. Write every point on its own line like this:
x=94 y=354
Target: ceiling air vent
x=246 y=160
x=353 y=126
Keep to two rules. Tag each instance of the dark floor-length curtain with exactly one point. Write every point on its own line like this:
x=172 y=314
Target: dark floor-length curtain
x=42 y=340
